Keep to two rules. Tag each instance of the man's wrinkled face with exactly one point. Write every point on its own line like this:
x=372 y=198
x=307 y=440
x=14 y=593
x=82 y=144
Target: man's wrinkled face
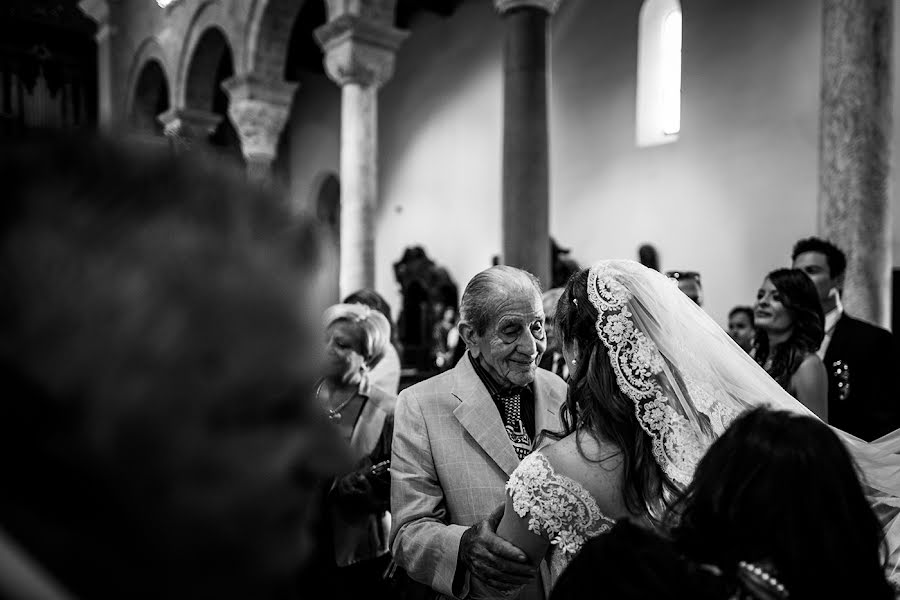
x=515 y=339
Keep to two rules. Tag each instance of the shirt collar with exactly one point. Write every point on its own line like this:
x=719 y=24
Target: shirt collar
x=834 y=315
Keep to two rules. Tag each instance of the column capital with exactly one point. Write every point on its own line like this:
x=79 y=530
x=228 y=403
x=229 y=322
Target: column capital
x=504 y=6
x=99 y=12
x=259 y=110
x=359 y=50
x=250 y=87
x=189 y=125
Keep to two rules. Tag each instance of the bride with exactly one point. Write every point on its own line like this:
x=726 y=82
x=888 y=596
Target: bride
x=654 y=381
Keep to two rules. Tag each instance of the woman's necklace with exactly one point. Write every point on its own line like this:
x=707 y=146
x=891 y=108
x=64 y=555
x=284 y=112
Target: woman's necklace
x=334 y=414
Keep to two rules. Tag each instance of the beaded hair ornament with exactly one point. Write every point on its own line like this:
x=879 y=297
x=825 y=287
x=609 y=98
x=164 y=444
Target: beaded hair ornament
x=640 y=372
x=760 y=583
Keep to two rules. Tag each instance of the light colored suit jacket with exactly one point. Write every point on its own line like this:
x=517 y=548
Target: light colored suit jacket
x=451 y=458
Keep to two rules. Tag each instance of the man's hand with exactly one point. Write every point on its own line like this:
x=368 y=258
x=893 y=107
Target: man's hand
x=492 y=559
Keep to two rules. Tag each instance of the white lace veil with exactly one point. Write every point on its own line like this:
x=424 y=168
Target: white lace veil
x=689 y=380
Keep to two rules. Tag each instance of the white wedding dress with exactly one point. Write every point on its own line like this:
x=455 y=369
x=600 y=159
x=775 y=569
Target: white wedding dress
x=557 y=508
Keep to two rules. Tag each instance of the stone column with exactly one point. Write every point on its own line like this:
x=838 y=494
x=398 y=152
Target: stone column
x=259 y=110
x=526 y=180
x=855 y=148
x=189 y=128
x=360 y=43
x=99 y=10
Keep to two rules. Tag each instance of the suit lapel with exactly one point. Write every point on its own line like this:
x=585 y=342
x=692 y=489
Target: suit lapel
x=479 y=416
x=367 y=430
x=546 y=408
x=835 y=344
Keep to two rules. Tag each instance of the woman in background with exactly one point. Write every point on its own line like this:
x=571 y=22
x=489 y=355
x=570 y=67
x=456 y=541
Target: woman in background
x=789 y=329
x=385 y=371
x=359 y=501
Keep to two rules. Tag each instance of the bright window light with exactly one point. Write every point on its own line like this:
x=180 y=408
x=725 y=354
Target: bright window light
x=659 y=73
x=671 y=74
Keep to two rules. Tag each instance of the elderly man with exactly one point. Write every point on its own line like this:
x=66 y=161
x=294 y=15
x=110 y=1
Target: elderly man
x=459 y=435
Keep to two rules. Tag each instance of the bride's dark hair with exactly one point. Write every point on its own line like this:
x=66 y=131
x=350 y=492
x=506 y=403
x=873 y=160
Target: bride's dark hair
x=595 y=404
x=799 y=297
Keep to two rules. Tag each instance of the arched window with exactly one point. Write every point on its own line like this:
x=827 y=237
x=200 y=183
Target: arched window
x=659 y=73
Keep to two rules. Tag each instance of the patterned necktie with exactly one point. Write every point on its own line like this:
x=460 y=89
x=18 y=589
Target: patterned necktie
x=512 y=420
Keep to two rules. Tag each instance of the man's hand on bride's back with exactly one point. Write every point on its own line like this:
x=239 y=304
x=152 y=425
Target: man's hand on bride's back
x=492 y=559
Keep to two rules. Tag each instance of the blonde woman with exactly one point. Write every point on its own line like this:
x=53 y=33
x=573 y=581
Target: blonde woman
x=355 y=337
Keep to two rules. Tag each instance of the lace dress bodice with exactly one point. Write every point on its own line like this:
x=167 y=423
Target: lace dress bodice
x=557 y=508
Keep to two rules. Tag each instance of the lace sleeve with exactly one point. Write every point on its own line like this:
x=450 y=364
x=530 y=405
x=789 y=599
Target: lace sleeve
x=554 y=506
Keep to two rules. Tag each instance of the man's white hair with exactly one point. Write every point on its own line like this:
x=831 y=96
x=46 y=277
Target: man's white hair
x=484 y=292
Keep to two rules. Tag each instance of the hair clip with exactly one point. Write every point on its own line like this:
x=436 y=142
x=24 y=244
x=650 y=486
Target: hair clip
x=575 y=301
x=758 y=580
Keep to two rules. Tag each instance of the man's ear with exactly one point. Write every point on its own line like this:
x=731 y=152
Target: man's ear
x=839 y=282
x=469 y=338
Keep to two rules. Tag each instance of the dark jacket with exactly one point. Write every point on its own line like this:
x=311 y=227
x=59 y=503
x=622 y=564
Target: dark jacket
x=359 y=511
x=861 y=365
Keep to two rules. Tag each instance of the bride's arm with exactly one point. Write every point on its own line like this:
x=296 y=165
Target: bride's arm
x=514 y=529
x=811 y=385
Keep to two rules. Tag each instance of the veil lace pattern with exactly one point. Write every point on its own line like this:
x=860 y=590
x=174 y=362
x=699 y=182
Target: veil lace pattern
x=640 y=371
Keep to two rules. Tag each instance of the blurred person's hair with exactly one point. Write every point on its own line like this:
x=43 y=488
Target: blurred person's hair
x=781 y=488
x=648 y=256
x=154 y=322
x=634 y=563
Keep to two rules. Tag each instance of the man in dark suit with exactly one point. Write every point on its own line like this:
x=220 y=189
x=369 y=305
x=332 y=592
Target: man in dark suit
x=858 y=356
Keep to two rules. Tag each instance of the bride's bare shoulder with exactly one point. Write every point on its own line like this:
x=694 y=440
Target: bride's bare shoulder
x=579 y=454
x=595 y=464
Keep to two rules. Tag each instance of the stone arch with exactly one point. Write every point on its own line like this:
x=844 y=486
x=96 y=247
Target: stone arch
x=203 y=69
x=149 y=98
x=210 y=34
x=150 y=50
x=268 y=36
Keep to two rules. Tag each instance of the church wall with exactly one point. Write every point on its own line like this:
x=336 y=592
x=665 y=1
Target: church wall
x=739 y=186
x=313 y=138
x=727 y=199
x=440 y=131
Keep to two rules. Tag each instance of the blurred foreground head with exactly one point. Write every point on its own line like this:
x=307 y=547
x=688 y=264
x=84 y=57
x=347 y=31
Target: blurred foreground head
x=157 y=438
